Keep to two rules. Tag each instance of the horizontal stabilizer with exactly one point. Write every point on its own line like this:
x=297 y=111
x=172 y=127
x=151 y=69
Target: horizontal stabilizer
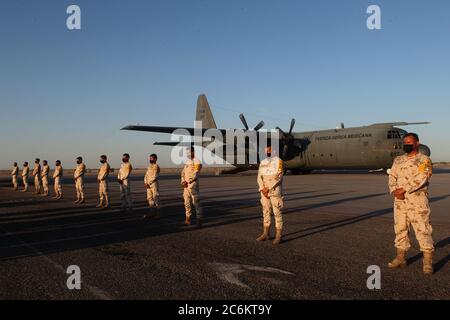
x=174 y=144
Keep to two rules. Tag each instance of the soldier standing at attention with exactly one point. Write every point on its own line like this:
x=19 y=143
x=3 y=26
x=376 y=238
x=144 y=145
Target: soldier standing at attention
x=57 y=176
x=270 y=177
x=152 y=186
x=408 y=183
x=25 y=173
x=44 y=175
x=78 y=177
x=191 y=188
x=102 y=180
x=37 y=175
x=122 y=177
x=14 y=175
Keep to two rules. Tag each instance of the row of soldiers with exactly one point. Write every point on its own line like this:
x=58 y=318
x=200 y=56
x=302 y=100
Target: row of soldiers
x=269 y=181
x=189 y=182
x=408 y=183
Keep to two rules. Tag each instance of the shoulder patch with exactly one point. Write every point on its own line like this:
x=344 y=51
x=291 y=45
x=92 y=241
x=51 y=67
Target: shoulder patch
x=426 y=166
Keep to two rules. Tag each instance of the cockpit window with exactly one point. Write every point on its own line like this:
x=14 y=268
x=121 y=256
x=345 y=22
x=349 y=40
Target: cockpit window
x=394 y=134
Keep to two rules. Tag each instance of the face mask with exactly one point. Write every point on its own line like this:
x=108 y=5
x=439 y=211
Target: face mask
x=152 y=161
x=124 y=160
x=102 y=161
x=78 y=162
x=408 y=148
x=268 y=154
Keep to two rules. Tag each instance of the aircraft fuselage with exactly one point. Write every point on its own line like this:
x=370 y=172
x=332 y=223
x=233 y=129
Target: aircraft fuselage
x=353 y=148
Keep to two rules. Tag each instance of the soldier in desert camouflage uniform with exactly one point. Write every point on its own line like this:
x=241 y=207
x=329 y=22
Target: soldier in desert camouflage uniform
x=191 y=188
x=270 y=178
x=14 y=175
x=408 y=182
x=152 y=186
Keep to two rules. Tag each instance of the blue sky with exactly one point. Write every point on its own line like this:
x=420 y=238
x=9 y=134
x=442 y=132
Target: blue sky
x=67 y=93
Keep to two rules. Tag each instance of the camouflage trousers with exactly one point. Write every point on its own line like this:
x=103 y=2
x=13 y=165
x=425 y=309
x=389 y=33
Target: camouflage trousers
x=413 y=211
x=25 y=183
x=125 y=195
x=79 y=187
x=45 y=184
x=14 y=181
x=58 y=187
x=153 y=195
x=270 y=206
x=103 y=192
x=37 y=183
x=191 y=196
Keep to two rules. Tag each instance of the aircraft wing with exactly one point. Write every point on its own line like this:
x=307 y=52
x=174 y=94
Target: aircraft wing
x=399 y=124
x=165 y=129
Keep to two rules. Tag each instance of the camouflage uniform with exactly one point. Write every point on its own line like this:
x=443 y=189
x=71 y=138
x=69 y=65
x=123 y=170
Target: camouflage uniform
x=44 y=176
x=191 y=193
x=25 y=173
x=125 y=190
x=78 y=176
x=151 y=183
x=270 y=175
x=14 y=175
x=37 y=177
x=57 y=176
x=102 y=177
x=412 y=174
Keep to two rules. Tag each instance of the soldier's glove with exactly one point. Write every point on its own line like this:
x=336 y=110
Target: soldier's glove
x=184 y=184
x=120 y=181
x=147 y=186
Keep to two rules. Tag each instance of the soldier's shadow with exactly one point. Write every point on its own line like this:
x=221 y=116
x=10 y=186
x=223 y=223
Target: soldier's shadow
x=441 y=263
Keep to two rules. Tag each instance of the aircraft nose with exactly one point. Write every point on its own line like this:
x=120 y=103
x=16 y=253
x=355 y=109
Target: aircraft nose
x=424 y=149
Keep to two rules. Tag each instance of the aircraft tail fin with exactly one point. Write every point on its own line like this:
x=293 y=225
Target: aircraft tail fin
x=204 y=113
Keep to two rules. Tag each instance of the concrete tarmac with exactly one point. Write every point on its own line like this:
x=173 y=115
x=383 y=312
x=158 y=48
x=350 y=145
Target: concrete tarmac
x=336 y=226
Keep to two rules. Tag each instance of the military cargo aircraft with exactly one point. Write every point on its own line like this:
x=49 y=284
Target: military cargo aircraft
x=372 y=147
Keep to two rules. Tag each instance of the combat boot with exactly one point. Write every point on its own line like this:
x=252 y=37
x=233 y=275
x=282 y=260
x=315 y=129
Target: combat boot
x=399 y=261
x=428 y=263
x=277 y=239
x=265 y=234
x=187 y=221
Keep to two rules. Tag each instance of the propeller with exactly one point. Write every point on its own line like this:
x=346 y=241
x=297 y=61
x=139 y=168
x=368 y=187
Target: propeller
x=244 y=122
x=287 y=140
